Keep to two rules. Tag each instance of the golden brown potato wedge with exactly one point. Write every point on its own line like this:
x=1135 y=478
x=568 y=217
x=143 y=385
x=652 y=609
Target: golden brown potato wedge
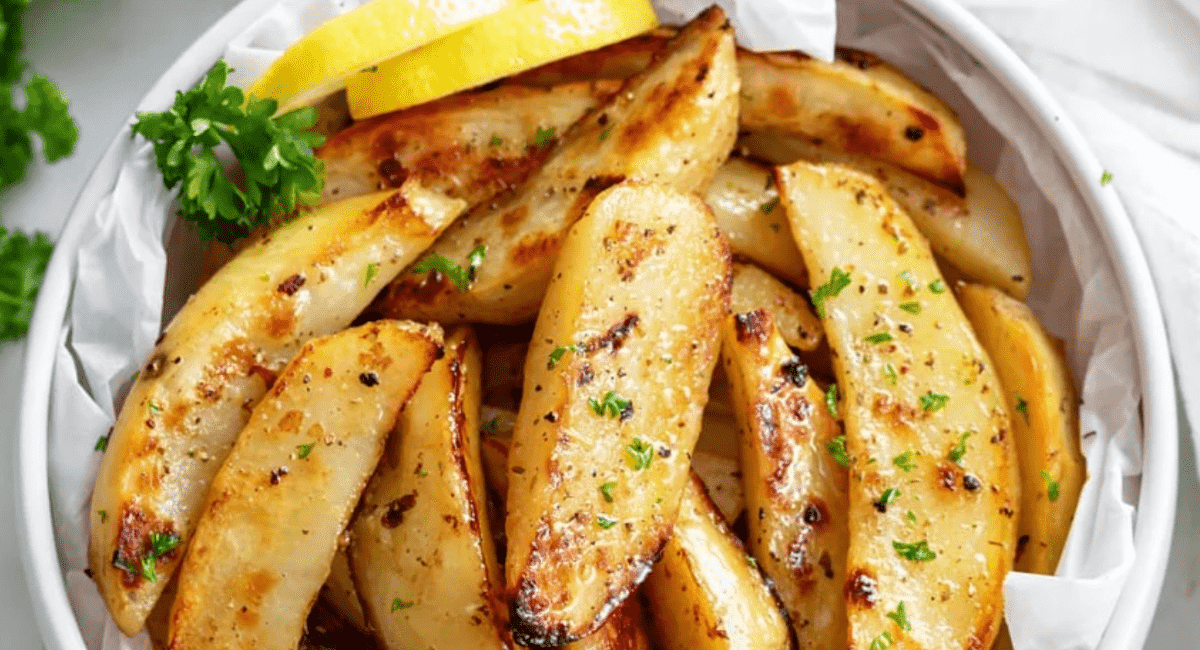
x=339 y=592
x=857 y=104
x=673 y=124
x=754 y=288
x=722 y=477
x=637 y=293
x=620 y=60
x=795 y=490
x=624 y=630
x=744 y=201
x=421 y=548
x=706 y=593
x=271 y=520
x=218 y=357
x=927 y=429
x=980 y=233
x=469 y=146
x=1045 y=414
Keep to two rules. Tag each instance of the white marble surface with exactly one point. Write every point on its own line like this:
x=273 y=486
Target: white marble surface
x=105 y=54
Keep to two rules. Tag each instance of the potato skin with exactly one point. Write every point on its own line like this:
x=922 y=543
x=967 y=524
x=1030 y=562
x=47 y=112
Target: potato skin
x=219 y=356
x=421 y=549
x=273 y=515
x=1045 y=415
x=924 y=414
x=705 y=593
x=639 y=290
x=672 y=124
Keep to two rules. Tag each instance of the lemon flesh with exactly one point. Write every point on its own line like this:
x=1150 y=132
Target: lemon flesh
x=320 y=63
x=502 y=44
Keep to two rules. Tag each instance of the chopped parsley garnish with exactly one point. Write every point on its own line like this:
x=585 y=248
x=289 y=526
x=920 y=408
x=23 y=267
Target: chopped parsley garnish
x=915 y=551
x=103 y=515
x=932 y=401
x=611 y=404
x=882 y=642
x=605 y=522
x=837 y=447
x=302 y=451
x=149 y=565
x=279 y=169
x=640 y=453
x=750 y=559
x=490 y=426
x=956 y=454
x=496 y=140
x=890 y=373
x=544 y=136
x=371 y=273
x=838 y=280
x=462 y=278
x=1023 y=408
x=153 y=408
x=558 y=353
x=831 y=399
x=888 y=497
x=1105 y=178
x=607 y=132
x=882 y=337
x=905 y=461
x=1051 y=486
x=398 y=604
x=911 y=279
x=606 y=489
x=769 y=206
x=163 y=543
x=900 y=617
x=910 y=516
x=913 y=307
x=102 y=443
x=667 y=359
x=937 y=287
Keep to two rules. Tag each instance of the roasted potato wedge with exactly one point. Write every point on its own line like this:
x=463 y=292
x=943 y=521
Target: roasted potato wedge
x=1045 y=414
x=638 y=291
x=621 y=60
x=721 y=476
x=706 y=593
x=858 y=104
x=673 y=124
x=219 y=356
x=754 y=288
x=340 y=593
x=469 y=146
x=924 y=415
x=421 y=548
x=981 y=233
x=271 y=520
x=624 y=630
x=796 y=490
x=744 y=201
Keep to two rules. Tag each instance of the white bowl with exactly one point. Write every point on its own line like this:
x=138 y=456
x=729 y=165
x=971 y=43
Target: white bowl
x=1156 y=500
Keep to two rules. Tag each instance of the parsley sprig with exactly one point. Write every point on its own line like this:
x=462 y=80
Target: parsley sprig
x=460 y=276
x=23 y=261
x=275 y=152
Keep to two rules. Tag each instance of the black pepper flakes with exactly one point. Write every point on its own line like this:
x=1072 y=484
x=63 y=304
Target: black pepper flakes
x=369 y=379
x=291 y=285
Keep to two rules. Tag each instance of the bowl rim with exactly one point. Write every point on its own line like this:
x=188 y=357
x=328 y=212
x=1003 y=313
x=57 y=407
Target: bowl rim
x=1156 y=504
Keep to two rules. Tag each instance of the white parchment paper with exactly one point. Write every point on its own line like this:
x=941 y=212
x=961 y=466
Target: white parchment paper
x=125 y=281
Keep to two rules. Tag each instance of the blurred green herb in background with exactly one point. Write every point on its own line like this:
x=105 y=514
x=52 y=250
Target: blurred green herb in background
x=46 y=112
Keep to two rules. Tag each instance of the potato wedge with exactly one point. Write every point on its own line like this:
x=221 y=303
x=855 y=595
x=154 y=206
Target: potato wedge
x=924 y=414
x=796 y=489
x=754 y=289
x=271 y=520
x=421 y=548
x=639 y=291
x=621 y=60
x=706 y=593
x=744 y=201
x=624 y=630
x=980 y=233
x=1045 y=413
x=469 y=146
x=858 y=104
x=722 y=479
x=673 y=124
x=218 y=357
x=340 y=593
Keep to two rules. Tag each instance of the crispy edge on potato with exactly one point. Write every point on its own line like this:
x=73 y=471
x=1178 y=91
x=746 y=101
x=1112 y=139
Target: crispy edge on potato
x=621 y=60
x=421 y=549
x=1045 y=413
x=273 y=515
x=706 y=593
x=672 y=124
x=638 y=291
x=219 y=356
x=924 y=414
x=754 y=288
x=980 y=233
x=744 y=201
x=795 y=490
x=471 y=146
x=858 y=104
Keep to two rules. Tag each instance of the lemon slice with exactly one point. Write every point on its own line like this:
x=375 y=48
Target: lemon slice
x=319 y=63
x=502 y=44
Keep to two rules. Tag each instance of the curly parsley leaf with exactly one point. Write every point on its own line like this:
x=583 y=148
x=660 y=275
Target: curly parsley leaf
x=48 y=114
x=613 y=405
x=276 y=154
x=23 y=261
x=640 y=454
